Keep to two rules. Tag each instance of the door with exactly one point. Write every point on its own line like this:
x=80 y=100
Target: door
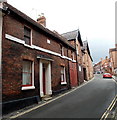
x=84 y=72
x=73 y=74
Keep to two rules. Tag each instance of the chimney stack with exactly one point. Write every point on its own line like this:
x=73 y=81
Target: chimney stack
x=106 y=57
x=42 y=20
x=101 y=59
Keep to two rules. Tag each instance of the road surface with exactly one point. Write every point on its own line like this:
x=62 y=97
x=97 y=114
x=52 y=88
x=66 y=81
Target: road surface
x=88 y=101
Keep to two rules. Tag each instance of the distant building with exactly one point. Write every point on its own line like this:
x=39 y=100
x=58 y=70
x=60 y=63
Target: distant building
x=84 y=59
x=87 y=62
x=104 y=66
x=113 y=59
x=97 y=68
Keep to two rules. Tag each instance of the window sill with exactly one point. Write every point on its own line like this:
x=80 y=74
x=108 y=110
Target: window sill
x=63 y=83
x=28 y=88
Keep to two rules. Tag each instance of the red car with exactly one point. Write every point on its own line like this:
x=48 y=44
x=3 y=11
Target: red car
x=107 y=75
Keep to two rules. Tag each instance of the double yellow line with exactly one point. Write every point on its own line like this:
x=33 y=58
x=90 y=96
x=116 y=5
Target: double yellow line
x=105 y=115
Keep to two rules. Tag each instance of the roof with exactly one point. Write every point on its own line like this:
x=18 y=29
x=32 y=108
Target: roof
x=112 y=49
x=11 y=10
x=86 y=47
x=72 y=35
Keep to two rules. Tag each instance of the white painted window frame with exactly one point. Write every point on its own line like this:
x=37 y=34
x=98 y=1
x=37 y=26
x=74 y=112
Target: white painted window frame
x=77 y=49
x=64 y=82
x=80 y=69
x=30 y=87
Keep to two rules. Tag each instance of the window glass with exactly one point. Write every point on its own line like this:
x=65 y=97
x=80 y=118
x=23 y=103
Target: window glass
x=27 y=35
x=27 y=73
x=63 y=77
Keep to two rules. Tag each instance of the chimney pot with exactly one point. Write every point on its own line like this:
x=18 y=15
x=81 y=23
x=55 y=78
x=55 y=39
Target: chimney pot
x=42 y=20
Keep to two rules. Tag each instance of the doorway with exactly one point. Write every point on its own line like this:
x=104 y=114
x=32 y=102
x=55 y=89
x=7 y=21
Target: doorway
x=45 y=77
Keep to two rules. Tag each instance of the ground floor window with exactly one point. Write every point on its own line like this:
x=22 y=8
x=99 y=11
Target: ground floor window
x=63 y=76
x=27 y=73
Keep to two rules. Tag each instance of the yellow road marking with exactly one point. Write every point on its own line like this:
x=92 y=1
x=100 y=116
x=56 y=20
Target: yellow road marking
x=106 y=113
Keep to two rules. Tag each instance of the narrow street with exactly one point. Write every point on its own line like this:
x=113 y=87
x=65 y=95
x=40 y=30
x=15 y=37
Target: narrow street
x=88 y=101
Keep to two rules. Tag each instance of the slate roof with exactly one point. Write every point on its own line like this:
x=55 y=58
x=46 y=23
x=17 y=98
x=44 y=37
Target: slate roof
x=72 y=35
x=86 y=47
x=7 y=8
x=112 y=49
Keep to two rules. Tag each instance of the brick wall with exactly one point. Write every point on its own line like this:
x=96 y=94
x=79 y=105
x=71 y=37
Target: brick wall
x=14 y=53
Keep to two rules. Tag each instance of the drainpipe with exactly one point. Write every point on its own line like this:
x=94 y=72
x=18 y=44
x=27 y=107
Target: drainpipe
x=1 y=24
x=69 y=87
x=77 y=64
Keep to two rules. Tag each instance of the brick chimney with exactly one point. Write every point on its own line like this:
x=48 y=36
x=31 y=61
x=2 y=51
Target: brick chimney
x=101 y=59
x=42 y=20
x=106 y=57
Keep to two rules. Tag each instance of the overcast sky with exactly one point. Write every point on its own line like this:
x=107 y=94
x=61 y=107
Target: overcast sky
x=94 y=18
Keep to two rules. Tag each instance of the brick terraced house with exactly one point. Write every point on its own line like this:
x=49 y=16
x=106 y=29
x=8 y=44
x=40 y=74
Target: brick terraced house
x=87 y=62
x=34 y=61
x=113 y=59
x=74 y=38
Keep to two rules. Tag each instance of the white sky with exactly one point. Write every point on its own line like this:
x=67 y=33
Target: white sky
x=94 y=18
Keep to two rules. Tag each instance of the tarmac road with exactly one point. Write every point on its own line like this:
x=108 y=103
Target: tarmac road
x=88 y=101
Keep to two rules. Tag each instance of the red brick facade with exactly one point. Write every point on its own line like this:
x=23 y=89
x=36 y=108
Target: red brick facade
x=54 y=64
x=15 y=51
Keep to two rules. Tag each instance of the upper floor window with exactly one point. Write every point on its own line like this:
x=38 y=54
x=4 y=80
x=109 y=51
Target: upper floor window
x=72 y=55
x=77 y=49
x=27 y=35
x=62 y=51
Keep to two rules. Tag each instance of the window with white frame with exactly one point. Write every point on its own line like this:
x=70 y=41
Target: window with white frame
x=63 y=76
x=27 y=35
x=77 y=49
x=62 y=50
x=27 y=73
x=80 y=68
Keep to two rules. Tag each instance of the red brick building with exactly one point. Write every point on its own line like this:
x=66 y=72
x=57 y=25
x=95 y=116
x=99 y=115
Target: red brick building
x=74 y=38
x=104 y=66
x=87 y=62
x=113 y=59
x=34 y=61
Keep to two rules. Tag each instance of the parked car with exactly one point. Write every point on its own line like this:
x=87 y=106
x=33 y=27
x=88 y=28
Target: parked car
x=107 y=75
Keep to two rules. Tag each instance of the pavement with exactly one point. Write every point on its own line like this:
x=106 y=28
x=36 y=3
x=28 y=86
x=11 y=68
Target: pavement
x=90 y=100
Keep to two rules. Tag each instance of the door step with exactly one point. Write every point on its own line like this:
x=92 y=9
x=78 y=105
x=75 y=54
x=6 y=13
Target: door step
x=46 y=97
